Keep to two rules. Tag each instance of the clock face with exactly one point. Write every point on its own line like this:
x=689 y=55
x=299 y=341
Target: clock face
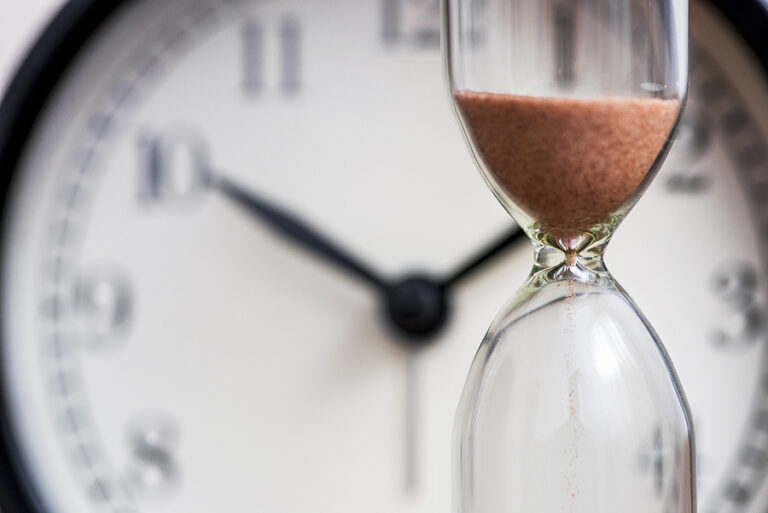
x=162 y=351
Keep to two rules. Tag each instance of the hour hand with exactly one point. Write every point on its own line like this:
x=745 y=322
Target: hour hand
x=290 y=227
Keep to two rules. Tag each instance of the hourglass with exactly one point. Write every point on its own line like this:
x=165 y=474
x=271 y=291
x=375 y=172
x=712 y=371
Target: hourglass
x=569 y=107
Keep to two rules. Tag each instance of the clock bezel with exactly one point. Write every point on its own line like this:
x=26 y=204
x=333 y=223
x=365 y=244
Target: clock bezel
x=23 y=102
x=37 y=79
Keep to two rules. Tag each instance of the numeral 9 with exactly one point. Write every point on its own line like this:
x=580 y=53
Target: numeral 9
x=103 y=306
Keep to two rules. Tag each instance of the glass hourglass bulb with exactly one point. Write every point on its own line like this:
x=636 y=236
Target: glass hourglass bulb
x=569 y=107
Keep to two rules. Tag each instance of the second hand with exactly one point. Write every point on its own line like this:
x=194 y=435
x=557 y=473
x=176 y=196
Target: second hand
x=412 y=403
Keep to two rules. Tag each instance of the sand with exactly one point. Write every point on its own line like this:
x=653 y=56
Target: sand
x=568 y=163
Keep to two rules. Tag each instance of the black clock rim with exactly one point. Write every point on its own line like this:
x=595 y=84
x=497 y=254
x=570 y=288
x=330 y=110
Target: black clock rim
x=24 y=100
x=32 y=86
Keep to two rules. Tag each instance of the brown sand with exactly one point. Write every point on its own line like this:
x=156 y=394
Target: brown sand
x=568 y=163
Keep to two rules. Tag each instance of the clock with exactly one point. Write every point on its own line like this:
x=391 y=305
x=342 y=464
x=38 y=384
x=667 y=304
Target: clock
x=246 y=259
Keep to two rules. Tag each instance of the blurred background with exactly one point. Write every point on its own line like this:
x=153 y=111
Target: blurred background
x=20 y=24
x=165 y=347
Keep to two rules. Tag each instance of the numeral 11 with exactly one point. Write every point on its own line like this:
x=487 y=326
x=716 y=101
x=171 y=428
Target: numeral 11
x=255 y=44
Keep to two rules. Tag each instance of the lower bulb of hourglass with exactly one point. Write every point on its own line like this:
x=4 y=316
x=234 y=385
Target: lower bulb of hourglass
x=571 y=405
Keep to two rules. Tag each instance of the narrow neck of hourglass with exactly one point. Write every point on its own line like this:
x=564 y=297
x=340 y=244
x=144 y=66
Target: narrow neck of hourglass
x=585 y=265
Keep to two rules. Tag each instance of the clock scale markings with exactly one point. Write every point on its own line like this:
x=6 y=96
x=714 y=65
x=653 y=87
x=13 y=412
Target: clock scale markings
x=96 y=483
x=97 y=131
x=152 y=66
x=746 y=477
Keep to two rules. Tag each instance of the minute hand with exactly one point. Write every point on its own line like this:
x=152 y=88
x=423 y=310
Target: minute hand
x=289 y=226
x=512 y=237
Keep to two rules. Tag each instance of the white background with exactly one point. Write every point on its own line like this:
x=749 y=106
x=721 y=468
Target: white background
x=20 y=23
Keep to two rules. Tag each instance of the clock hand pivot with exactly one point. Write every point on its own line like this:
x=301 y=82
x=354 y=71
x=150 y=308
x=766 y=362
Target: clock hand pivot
x=417 y=306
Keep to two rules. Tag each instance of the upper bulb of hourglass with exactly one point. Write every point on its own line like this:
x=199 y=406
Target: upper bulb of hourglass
x=569 y=122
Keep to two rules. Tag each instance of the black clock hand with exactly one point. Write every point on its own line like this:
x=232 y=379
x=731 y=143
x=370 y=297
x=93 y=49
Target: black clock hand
x=513 y=236
x=297 y=231
x=408 y=300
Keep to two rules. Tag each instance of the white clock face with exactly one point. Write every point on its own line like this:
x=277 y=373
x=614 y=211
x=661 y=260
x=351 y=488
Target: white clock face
x=163 y=351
